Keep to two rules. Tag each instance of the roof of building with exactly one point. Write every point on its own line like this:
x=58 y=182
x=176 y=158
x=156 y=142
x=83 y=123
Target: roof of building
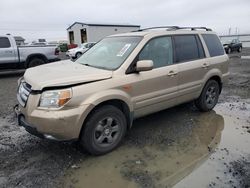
x=103 y=25
x=19 y=38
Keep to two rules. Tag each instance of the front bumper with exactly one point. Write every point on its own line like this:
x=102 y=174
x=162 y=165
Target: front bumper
x=29 y=128
x=70 y=54
x=64 y=125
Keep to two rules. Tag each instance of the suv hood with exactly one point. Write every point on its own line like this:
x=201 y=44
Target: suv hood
x=63 y=73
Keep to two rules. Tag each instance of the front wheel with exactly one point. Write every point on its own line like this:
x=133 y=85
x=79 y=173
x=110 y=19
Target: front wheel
x=229 y=51
x=104 y=130
x=209 y=96
x=239 y=49
x=78 y=54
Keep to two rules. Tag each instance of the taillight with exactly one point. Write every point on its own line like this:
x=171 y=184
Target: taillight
x=56 y=51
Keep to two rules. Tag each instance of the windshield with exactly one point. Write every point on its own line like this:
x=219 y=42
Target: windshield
x=84 y=45
x=109 y=53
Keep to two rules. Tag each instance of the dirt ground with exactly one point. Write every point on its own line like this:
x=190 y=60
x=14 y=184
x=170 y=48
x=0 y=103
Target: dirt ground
x=178 y=147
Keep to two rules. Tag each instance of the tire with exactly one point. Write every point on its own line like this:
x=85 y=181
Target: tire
x=35 y=62
x=78 y=54
x=229 y=51
x=239 y=49
x=104 y=130
x=209 y=96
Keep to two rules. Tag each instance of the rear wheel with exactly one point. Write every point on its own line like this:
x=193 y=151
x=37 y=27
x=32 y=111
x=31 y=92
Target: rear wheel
x=229 y=51
x=104 y=130
x=35 y=62
x=239 y=49
x=209 y=96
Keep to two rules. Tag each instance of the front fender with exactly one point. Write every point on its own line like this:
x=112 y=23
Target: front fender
x=111 y=94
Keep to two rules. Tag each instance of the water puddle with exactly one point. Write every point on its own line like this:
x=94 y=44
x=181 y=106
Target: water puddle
x=159 y=151
x=220 y=169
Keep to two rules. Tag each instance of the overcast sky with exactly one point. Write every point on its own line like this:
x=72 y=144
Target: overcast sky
x=49 y=19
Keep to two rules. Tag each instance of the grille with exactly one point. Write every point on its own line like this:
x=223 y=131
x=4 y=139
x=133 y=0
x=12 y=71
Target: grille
x=23 y=93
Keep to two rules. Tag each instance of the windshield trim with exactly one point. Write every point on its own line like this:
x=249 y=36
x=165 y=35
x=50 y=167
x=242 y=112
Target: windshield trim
x=105 y=68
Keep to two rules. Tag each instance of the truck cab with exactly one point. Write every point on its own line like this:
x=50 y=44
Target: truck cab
x=8 y=54
x=13 y=56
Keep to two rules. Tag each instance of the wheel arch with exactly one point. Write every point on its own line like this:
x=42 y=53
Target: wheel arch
x=213 y=74
x=120 y=104
x=33 y=56
x=215 y=77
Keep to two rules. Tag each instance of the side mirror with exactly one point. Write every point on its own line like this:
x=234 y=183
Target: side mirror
x=144 y=65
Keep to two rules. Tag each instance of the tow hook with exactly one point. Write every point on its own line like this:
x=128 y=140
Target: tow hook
x=16 y=110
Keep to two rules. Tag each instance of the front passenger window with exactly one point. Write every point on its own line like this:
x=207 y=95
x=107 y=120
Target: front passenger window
x=159 y=50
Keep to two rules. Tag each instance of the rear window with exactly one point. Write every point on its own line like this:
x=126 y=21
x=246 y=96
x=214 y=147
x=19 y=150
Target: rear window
x=187 y=47
x=213 y=44
x=4 y=42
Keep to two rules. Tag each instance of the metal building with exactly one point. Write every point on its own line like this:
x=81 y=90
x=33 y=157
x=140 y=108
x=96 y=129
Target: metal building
x=79 y=33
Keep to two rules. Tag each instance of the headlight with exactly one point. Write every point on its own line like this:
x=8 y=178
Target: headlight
x=55 y=98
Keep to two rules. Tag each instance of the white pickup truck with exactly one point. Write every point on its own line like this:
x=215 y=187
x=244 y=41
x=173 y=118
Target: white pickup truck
x=13 y=56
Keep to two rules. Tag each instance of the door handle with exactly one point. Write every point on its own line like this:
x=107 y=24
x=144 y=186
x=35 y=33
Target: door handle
x=205 y=65
x=172 y=73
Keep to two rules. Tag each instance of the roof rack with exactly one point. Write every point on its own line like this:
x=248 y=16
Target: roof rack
x=159 y=27
x=195 y=28
x=170 y=28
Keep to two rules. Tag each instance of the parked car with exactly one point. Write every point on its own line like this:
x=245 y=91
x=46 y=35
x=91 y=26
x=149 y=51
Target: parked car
x=232 y=45
x=75 y=53
x=121 y=78
x=71 y=46
x=13 y=56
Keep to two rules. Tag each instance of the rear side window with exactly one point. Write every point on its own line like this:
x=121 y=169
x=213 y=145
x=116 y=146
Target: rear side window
x=213 y=44
x=187 y=47
x=4 y=42
x=159 y=50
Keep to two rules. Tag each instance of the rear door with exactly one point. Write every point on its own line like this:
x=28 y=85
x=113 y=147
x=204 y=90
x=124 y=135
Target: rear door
x=217 y=57
x=192 y=67
x=7 y=52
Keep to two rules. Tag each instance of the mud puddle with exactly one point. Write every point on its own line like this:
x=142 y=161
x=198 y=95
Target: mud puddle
x=229 y=165
x=153 y=154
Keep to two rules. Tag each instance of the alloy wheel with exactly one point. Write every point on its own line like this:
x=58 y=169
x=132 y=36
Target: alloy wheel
x=106 y=132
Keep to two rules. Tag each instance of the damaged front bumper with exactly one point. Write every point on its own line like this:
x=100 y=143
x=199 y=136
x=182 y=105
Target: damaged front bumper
x=29 y=128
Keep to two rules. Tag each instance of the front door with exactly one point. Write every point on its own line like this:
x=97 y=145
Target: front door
x=7 y=53
x=155 y=90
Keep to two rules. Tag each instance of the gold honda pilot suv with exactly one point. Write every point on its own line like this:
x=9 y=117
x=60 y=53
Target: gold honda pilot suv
x=126 y=76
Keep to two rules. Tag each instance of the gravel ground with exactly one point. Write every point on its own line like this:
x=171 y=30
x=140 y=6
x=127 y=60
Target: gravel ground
x=27 y=161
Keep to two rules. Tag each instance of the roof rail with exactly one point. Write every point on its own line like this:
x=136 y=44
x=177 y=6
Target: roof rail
x=159 y=27
x=195 y=28
x=174 y=28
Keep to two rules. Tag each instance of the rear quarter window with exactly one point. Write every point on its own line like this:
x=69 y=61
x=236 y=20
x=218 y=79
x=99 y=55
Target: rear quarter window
x=4 y=42
x=213 y=44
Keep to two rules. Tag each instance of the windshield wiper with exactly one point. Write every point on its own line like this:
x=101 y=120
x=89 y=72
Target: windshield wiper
x=98 y=67
x=86 y=64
